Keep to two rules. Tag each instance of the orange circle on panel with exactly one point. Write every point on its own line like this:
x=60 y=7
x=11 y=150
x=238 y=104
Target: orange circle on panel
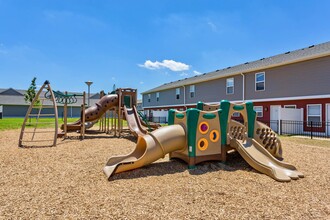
x=202 y=144
x=214 y=135
x=203 y=127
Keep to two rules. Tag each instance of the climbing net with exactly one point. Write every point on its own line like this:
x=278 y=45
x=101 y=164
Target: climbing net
x=62 y=98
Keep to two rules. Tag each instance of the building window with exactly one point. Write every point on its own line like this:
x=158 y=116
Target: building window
x=177 y=93
x=149 y=97
x=314 y=115
x=230 y=86
x=260 y=81
x=290 y=106
x=192 y=91
x=259 y=111
x=236 y=114
x=157 y=96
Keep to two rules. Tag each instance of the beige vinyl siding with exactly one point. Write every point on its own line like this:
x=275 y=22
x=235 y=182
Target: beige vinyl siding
x=303 y=79
x=299 y=79
x=211 y=91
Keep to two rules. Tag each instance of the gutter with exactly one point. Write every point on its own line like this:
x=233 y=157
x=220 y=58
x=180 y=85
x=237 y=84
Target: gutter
x=243 y=87
x=184 y=96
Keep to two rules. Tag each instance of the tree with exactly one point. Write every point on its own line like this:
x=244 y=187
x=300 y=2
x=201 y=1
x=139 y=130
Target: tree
x=31 y=92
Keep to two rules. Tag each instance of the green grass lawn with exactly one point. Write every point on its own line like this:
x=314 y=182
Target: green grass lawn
x=16 y=123
x=319 y=142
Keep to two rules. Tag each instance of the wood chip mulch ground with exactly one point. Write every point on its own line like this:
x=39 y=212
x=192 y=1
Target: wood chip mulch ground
x=67 y=182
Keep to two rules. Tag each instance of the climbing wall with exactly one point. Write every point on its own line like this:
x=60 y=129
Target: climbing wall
x=251 y=128
x=203 y=135
x=236 y=130
x=208 y=140
x=265 y=136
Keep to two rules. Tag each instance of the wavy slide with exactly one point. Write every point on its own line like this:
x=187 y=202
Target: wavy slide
x=260 y=159
x=96 y=111
x=149 y=148
x=133 y=121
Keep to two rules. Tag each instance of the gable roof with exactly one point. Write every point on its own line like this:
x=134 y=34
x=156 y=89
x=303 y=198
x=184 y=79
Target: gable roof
x=16 y=97
x=308 y=53
x=95 y=96
x=11 y=91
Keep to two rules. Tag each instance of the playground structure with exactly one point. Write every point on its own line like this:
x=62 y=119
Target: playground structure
x=111 y=121
x=195 y=135
x=209 y=133
x=35 y=110
x=46 y=107
x=114 y=108
x=111 y=110
x=65 y=98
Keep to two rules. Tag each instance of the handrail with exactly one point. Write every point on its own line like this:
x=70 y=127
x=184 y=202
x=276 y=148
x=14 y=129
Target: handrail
x=144 y=118
x=62 y=98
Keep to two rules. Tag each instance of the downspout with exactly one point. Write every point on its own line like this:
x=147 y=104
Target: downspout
x=243 y=88
x=184 y=96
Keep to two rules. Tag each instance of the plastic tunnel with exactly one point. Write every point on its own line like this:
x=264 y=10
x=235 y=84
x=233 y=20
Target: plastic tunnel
x=149 y=148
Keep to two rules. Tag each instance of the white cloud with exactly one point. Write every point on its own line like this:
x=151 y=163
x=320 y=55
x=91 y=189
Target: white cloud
x=169 y=64
x=175 y=66
x=197 y=73
x=183 y=74
x=141 y=82
x=213 y=27
x=151 y=65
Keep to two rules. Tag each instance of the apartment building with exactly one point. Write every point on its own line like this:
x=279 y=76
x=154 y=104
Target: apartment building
x=298 y=79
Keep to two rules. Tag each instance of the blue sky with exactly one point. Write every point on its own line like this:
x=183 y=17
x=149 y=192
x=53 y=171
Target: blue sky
x=143 y=44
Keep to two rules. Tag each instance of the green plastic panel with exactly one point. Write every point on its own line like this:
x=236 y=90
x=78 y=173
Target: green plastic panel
x=209 y=116
x=224 y=106
x=127 y=101
x=171 y=115
x=251 y=117
x=192 y=120
x=179 y=115
x=238 y=107
x=200 y=106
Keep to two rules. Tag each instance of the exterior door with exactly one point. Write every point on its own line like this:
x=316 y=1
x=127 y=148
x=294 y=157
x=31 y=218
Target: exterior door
x=275 y=117
x=327 y=123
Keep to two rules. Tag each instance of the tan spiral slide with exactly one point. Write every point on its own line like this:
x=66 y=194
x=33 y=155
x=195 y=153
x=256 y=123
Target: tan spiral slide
x=149 y=148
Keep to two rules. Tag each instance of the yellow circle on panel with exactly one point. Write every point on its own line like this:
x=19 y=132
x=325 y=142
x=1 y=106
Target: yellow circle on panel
x=203 y=127
x=202 y=144
x=214 y=135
